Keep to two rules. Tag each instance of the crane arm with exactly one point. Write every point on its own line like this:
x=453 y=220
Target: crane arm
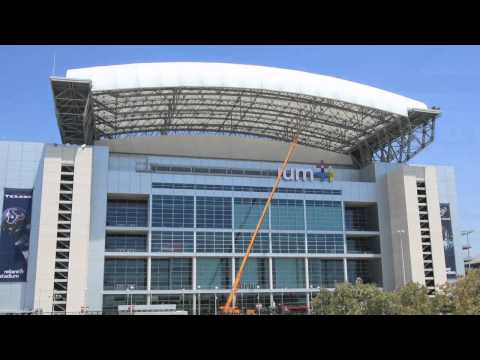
x=228 y=309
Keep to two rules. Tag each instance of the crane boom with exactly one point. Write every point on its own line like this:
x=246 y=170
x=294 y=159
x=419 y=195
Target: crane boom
x=228 y=308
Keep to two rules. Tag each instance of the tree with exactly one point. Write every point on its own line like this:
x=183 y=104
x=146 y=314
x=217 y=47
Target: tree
x=459 y=298
x=413 y=299
x=463 y=297
x=349 y=299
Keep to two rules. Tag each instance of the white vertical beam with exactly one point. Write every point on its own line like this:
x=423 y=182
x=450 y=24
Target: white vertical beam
x=194 y=285
x=435 y=224
x=80 y=230
x=47 y=234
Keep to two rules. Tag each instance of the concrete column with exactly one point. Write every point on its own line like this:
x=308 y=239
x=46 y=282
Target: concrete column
x=233 y=273
x=435 y=224
x=404 y=216
x=80 y=230
x=194 y=284
x=307 y=275
x=149 y=280
x=307 y=284
x=47 y=228
x=194 y=304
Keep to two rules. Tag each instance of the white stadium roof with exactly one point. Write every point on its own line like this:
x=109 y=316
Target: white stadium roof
x=198 y=74
x=187 y=98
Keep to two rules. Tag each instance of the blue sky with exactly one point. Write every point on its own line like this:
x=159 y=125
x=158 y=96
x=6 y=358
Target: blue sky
x=444 y=76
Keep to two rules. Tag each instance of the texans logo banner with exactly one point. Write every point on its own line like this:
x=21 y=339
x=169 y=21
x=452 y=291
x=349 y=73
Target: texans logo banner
x=15 y=234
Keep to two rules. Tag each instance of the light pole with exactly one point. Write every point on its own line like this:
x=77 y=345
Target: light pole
x=85 y=300
x=216 y=289
x=258 y=299
x=401 y=232
x=199 y=300
x=130 y=297
x=241 y=296
x=183 y=299
x=311 y=297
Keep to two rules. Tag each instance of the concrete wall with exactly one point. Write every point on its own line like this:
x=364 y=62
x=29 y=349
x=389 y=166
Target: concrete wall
x=47 y=235
x=405 y=229
x=80 y=230
x=97 y=231
x=55 y=156
x=222 y=147
x=436 y=238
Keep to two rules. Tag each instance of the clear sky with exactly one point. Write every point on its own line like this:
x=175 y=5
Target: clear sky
x=444 y=76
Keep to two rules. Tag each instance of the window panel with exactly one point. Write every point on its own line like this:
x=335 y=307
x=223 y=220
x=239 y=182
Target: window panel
x=288 y=273
x=171 y=274
x=255 y=273
x=172 y=211
x=324 y=215
x=358 y=269
x=212 y=272
x=261 y=244
x=123 y=273
x=288 y=243
x=325 y=273
x=125 y=243
x=127 y=213
x=172 y=241
x=214 y=242
x=325 y=243
x=214 y=212
x=287 y=215
x=247 y=212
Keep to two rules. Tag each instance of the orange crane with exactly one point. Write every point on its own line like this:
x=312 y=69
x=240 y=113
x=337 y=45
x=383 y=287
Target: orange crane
x=228 y=308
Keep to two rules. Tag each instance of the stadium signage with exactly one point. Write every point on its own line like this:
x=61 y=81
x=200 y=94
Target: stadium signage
x=320 y=172
x=15 y=234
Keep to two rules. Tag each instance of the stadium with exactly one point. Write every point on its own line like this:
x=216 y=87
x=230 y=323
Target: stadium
x=149 y=203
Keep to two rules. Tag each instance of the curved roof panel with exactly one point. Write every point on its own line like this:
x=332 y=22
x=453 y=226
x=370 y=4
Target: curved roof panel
x=222 y=75
x=165 y=99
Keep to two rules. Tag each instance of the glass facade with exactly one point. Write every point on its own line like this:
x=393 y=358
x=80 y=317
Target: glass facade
x=262 y=189
x=296 y=233
x=214 y=212
x=288 y=273
x=361 y=218
x=363 y=245
x=126 y=242
x=287 y=215
x=324 y=215
x=214 y=242
x=171 y=274
x=255 y=275
x=213 y=273
x=325 y=273
x=127 y=213
x=172 y=211
x=121 y=274
x=288 y=243
x=261 y=244
x=369 y=271
x=325 y=243
x=247 y=212
x=172 y=241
